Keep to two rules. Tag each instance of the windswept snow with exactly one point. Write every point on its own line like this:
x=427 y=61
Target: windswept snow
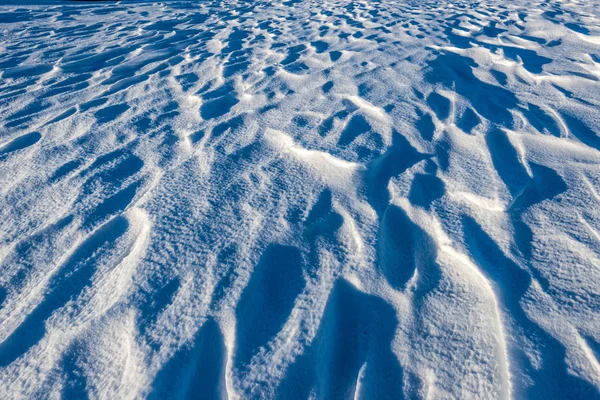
x=300 y=199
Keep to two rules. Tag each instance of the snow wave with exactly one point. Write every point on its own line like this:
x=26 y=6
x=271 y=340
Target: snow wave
x=300 y=199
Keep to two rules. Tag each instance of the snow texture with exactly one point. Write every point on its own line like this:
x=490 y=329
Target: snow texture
x=300 y=199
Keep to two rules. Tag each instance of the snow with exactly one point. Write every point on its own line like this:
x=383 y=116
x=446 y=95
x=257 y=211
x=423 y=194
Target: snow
x=300 y=199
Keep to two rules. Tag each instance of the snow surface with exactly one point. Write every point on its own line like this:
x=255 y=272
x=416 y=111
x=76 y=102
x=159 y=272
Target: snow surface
x=300 y=199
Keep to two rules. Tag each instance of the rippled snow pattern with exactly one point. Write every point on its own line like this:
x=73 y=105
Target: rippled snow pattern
x=300 y=199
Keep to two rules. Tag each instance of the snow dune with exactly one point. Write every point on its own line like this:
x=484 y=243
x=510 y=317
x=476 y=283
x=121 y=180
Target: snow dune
x=300 y=199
